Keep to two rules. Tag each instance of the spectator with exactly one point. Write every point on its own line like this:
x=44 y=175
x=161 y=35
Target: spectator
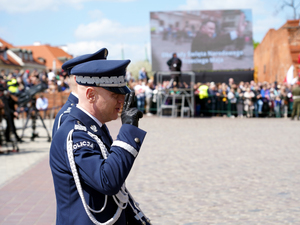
x=3 y=74
x=248 y=104
x=239 y=102
x=257 y=100
x=62 y=84
x=273 y=94
x=148 y=94
x=203 y=96
x=12 y=83
x=265 y=99
x=10 y=113
x=284 y=101
x=230 y=84
x=224 y=102
x=242 y=86
x=143 y=75
x=277 y=106
x=51 y=75
x=128 y=76
x=21 y=86
x=42 y=104
x=232 y=102
x=140 y=95
x=212 y=98
x=25 y=77
x=52 y=87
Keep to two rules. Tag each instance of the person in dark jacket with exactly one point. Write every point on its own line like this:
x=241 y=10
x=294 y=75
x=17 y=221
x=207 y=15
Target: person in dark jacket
x=174 y=64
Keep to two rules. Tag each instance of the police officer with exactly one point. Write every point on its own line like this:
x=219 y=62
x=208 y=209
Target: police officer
x=73 y=97
x=89 y=168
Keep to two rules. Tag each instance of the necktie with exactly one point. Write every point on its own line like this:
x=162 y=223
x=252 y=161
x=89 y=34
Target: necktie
x=105 y=130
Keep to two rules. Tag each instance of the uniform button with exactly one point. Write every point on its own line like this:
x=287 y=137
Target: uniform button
x=137 y=140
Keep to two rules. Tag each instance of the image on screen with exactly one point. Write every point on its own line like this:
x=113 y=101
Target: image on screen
x=209 y=40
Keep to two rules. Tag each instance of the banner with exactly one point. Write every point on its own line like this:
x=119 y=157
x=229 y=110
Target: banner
x=203 y=40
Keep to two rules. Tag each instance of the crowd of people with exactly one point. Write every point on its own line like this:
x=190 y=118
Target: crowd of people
x=231 y=99
x=19 y=81
x=242 y=99
x=13 y=90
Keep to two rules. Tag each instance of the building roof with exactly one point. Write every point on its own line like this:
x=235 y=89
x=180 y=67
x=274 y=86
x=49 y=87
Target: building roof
x=5 y=44
x=49 y=53
x=9 y=61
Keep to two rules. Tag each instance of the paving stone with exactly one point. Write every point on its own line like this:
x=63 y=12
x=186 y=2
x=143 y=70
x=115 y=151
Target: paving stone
x=190 y=171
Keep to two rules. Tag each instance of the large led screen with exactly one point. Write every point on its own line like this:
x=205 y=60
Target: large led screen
x=203 y=40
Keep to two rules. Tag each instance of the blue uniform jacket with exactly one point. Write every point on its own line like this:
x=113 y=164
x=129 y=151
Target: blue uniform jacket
x=98 y=177
x=72 y=100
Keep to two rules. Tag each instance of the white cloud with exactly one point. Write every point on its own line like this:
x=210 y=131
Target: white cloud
x=256 y=5
x=95 y=14
x=134 y=52
x=23 y=6
x=112 y=31
x=5 y=32
x=113 y=36
x=263 y=25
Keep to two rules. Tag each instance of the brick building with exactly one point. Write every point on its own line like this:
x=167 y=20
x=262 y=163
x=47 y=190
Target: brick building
x=277 y=52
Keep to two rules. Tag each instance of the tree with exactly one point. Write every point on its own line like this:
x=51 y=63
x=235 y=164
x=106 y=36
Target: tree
x=134 y=68
x=255 y=44
x=294 y=4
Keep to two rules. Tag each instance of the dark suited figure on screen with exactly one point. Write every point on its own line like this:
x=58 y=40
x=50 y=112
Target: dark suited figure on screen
x=207 y=40
x=175 y=65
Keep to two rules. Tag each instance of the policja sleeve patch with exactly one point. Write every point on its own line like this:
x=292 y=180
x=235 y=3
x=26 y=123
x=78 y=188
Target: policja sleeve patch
x=81 y=144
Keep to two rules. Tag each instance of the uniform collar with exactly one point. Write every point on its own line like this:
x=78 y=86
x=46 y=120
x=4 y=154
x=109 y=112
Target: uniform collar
x=90 y=115
x=76 y=95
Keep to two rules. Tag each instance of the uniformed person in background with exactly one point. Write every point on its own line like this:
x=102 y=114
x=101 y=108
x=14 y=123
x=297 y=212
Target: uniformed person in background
x=73 y=97
x=89 y=168
x=296 y=103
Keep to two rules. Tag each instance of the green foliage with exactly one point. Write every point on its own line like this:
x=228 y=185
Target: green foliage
x=134 y=68
x=255 y=44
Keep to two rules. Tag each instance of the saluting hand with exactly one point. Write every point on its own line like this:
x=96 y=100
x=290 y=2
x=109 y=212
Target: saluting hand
x=130 y=114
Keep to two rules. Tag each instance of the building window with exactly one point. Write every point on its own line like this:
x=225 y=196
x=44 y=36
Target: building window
x=5 y=55
x=265 y=68
x=26 y=56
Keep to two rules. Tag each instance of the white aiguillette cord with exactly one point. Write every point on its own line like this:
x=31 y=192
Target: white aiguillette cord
x=121 y=198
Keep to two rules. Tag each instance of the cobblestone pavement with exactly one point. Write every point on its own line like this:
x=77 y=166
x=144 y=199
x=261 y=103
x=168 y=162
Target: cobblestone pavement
x=204 y=171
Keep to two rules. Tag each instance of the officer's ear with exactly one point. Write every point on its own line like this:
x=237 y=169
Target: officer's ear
x=90 y=94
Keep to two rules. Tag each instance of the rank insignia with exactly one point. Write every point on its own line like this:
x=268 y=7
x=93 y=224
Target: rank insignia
x=94 y=128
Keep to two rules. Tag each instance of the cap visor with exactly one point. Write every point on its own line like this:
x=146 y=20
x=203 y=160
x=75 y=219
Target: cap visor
x=118 y=90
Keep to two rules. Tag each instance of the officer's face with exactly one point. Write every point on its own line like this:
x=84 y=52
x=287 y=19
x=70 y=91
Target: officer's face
x=107 y=104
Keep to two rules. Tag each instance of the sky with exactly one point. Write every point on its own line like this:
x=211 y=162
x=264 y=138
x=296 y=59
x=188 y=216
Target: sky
x=121 y=26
